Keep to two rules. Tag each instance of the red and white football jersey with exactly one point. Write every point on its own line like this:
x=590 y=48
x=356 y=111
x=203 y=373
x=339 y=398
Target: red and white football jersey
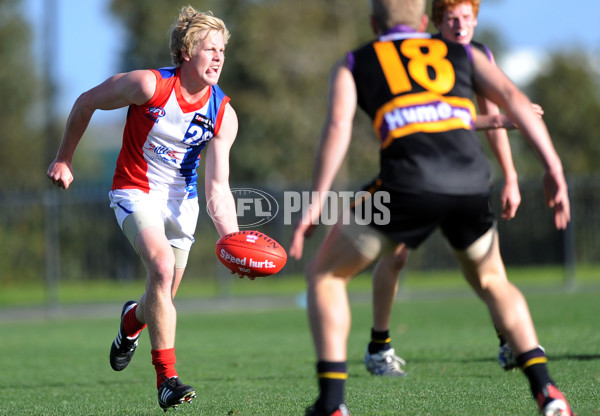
x=163 y=139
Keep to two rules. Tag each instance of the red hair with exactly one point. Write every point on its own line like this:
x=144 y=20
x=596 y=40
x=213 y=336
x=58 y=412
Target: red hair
x=438 y=7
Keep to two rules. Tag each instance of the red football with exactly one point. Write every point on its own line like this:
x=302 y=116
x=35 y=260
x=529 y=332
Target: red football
x=251 y=253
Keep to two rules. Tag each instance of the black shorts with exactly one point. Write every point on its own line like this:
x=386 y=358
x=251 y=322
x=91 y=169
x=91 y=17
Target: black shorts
x=413 y=217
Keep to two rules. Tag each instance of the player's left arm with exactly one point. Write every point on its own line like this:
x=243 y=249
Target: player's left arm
x=219 y=198
x=491 y=118
x=337 y=129
x=494 y=85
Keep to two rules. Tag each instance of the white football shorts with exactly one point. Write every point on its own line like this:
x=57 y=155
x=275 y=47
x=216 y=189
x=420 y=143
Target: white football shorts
x=136 y=210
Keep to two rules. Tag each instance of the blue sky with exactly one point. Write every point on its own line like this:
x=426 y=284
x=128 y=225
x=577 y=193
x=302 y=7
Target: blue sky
x=541 y=24
x=89 y=40
x=533 y=28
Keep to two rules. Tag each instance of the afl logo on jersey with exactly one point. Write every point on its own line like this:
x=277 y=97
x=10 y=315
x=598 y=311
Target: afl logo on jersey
x=154 y=113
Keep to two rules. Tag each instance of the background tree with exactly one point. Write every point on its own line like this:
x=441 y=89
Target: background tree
x=21 y=121
x=569 y=91
x=146 y=43
x=277 y=70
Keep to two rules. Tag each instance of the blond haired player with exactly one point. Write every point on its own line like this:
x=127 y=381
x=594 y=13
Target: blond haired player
x=174 y=113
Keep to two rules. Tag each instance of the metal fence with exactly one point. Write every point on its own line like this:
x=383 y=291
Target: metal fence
x=51 y=235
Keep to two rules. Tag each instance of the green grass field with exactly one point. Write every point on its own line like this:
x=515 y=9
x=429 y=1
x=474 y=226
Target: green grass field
x=260 y=361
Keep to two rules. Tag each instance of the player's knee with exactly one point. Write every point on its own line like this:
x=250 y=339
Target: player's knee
x=161 y=270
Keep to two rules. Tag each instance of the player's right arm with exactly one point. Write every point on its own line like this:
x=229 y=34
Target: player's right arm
x=120 y=90
x=335 y=140
x=500 y=145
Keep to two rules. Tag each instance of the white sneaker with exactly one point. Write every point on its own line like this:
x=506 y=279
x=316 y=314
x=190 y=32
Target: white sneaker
x=384 y=363
x=506 y=358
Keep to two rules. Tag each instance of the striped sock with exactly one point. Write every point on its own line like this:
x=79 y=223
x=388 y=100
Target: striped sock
x=332 y=381
x=533 y=364
x=380 y=341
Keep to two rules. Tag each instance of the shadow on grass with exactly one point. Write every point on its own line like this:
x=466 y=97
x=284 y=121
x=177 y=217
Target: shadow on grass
x=486 y=359
x=577 y=357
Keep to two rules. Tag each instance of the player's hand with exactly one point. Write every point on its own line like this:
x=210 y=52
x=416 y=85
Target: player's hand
x=304 y=229
x=557 y=197
x=510 y=199
x=297 y=244
x=508 y=124
x=241 y=276
x=60 y=173
x=301 y=232
x=537 y=109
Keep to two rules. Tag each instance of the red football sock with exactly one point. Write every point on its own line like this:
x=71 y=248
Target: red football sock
x=130 y=323
x=164 y=364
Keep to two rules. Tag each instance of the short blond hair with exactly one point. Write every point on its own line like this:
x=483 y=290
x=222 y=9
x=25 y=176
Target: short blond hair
x=438 y=7
x=390 y=13
x=187 y=30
